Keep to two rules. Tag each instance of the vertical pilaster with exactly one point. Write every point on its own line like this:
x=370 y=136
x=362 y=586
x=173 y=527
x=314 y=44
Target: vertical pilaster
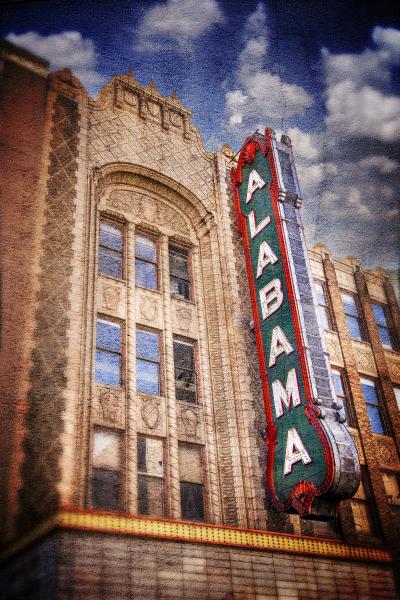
x=172 y=476
x=214 y=503
x=131 y=405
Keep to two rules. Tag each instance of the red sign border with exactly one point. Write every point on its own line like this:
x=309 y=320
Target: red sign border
x=303 y=494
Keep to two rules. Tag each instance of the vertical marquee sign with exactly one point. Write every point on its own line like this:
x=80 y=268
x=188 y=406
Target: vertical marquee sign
x=311 y=460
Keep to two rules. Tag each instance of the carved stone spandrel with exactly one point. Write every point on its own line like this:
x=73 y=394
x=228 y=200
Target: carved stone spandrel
x=333 y=347
x=346 y=280
x=149 y=308
x=109 y=406
x=376 y=291
x=190 y=422
x=393 y=363
x=357 y=442
x=111 y=297
x=184 y=319
x=364 y=358
x=151 y=414
x=387 y=452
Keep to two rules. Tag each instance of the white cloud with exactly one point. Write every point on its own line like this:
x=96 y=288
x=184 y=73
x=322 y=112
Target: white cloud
x=304 y=144
x=388 y=39
x=176 y=24
x=379 y=163
x=260 y=97
x=65 y=49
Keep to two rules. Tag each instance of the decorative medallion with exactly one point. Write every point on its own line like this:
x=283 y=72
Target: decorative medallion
x=333 y=347
x=151 y=411
x=387 y=452
x=111 y=297
x=190 y=421
x=183 y=317
x=148 y=308
x=312 y=462
x=110 y=405
x=364 y=358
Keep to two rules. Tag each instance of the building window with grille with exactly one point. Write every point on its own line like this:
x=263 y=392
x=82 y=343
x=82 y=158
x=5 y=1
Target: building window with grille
x=386 y=332
x=185 y=373
x=363 y=508
x=342 y=390
x=353 y=316
x=150 y=476
x=179 y=272
x=111 y=244
x=374 y=407
x=191 y=482
x=106 y=470
x=147 y=362
x=108 y=352
x=146 y=253
x=324 y=307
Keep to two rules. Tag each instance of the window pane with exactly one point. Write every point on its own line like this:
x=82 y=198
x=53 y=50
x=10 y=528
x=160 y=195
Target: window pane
x=385 y=337
x=150 y=455
x=375 y=419
x=379 y=313
x=108 y=335
x=147 y=377
x=147 y=345
x=146 y=274
x=349 y=304
x=146 y=248
x=110 y=236
x=190 y=468
x=324 y=318
x=185 y=385
x=319 y=288
x=179 y=266
x=110 y=262
x=108 y=367
x=337 y=382
x=150 y=496
x=106 y=489
x=391 y=484
x=369 y=391
x=180 y=287
x=192 y=501
x=354 y=328
x=361 y=517
x=183 y=355
x=106 y=449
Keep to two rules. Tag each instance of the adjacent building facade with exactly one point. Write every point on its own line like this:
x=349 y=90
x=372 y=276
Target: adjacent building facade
x=133 y=464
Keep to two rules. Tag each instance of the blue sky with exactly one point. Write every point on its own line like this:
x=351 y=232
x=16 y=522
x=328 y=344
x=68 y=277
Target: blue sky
x=327 y=73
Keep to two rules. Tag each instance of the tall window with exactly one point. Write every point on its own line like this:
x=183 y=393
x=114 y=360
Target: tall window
x=108 y=352
x=150 y=476
x=110 y=249
x=383 y=322
x=374 y=407
x=392 y=487
x=191 y=482
x=353 y=316
x=364 y=515
x=396 y=390
x=146 y=262
x=179 y=272
x=343 y=394
x=324 y=309
x=106 y=471
x=185 y=375
x=147 y=362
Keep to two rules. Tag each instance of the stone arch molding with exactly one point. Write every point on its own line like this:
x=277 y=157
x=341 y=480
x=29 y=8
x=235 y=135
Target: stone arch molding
x=132 y=177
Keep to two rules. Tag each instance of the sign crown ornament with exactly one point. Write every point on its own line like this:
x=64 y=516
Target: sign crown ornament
x=312 y=462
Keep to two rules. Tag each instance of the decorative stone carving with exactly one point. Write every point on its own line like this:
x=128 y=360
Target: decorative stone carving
x=190 y=422
x=394 y=367
x=364 y=358
x=175 y=119
x=131 y=98
x=110 y=406
x=143 y=208
x=151 y=411
x=153 y=109
x=111 y=297
x=357 y=442
x=333 y=347
x=375 y=290
x=183 y=317
x=345 y=280
x=148 y=309
x=387 y=452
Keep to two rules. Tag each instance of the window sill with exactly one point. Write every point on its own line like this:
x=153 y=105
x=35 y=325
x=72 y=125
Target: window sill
x=142 y=287
x=182 y=299
x=118 y=279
